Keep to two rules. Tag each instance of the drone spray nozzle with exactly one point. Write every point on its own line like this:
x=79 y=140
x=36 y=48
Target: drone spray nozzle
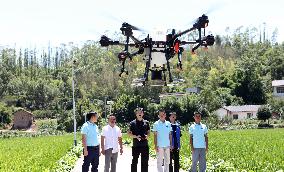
x=123 y=55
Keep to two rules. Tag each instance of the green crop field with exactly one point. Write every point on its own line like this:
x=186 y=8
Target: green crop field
x=256 y=150
x=33 y=153
x=239 y=150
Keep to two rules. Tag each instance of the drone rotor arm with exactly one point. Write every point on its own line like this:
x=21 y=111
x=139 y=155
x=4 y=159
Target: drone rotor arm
x=195 y=47
x=187 y=42
x=140 y=51
x=136 y=41
x=182 y=33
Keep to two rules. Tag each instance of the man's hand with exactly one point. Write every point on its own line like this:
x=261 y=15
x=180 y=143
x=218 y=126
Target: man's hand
x=156 y=149
x=85 y=152
x=206 y=150
x=103 y=151
x=121 y=151
x=138 y=137
x=192 y=150
x=146 y=137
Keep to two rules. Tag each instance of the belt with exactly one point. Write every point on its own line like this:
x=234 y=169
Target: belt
x=93 y=146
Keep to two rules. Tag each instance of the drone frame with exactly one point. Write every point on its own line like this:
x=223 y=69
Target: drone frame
x=172 y=46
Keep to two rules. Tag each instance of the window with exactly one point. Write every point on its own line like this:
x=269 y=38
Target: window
x=280 y=89
x=249 y=115
x=235 y=116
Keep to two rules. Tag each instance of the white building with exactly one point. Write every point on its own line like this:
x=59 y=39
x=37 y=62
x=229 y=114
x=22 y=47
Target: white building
x=278 y=88
x=196 y=90
x=167 y=95
x=238 y=112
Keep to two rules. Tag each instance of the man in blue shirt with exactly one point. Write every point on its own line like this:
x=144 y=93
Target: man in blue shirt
x=176 y=134
x=90 y=133
x=163 y=141
x=199 y=143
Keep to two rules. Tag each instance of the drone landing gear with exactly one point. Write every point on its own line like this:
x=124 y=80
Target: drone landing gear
x=123 y=69
x=169 y=69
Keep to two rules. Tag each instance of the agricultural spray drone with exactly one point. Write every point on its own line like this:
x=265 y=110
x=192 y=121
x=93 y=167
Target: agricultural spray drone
x=159 y=49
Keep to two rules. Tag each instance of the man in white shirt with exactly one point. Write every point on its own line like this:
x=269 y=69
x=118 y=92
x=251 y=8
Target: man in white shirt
x=110 y=138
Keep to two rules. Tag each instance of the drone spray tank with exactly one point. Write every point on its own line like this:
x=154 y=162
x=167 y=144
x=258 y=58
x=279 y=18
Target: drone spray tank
x=158 y=61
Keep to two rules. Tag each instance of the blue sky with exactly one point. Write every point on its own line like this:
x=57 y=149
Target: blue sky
x=40 y=21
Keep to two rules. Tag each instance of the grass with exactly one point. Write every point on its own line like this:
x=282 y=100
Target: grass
x=238 y=150
x=33 y=153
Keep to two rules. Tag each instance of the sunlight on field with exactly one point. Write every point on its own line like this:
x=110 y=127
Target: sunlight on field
x=33 y=154
x=255 y=150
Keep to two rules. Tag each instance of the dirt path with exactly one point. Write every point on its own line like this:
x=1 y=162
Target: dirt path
x=123 y=163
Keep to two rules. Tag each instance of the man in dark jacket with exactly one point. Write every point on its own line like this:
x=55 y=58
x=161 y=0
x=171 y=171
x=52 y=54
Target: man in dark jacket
x=139 y=130
x=176 y=134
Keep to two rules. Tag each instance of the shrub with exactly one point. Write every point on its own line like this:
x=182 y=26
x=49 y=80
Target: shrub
x=264 y=112
x=5 y=114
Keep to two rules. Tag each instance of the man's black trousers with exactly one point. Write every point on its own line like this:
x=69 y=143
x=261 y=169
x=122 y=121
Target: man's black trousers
x=136 y=151
x=174 y=155
x=92 y=158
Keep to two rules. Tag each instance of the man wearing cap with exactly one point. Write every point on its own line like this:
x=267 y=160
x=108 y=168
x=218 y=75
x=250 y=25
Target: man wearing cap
x=176 y=134
x=139 y=130
x=199 y=143
x=90 y=133
x=110 y=138
x=163 y=141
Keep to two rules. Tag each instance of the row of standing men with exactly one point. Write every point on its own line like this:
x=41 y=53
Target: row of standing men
x=167 y=143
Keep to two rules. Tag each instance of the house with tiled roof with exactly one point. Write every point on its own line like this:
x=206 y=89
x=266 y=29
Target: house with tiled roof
x=278 y=88
x=238 y=112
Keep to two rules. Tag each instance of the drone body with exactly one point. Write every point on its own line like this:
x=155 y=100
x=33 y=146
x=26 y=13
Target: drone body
x=159 y=49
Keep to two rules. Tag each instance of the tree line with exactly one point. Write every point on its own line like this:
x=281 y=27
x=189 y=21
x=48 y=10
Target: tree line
x=237 y=70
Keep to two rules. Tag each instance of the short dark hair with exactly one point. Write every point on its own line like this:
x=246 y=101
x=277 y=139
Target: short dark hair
x=90 y=114
x=197 y=112
x=138 y=109
x=161 y=110
x=111 y=115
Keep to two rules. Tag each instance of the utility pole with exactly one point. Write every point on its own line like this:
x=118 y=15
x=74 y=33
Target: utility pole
x=105 y=108
x=74 y=107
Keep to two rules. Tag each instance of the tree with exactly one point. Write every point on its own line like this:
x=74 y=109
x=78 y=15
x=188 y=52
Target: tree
x=277 y=67
x=5 y=113
x=126 y=104
x=5 y=77
x=248 y=81
x=189 y=104
x=277 y=106
x=264 y=113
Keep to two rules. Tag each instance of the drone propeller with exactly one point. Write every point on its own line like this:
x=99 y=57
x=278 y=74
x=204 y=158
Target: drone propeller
x=211 y=9
x=119 y=20
x=131 y=26
x=215 y=7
